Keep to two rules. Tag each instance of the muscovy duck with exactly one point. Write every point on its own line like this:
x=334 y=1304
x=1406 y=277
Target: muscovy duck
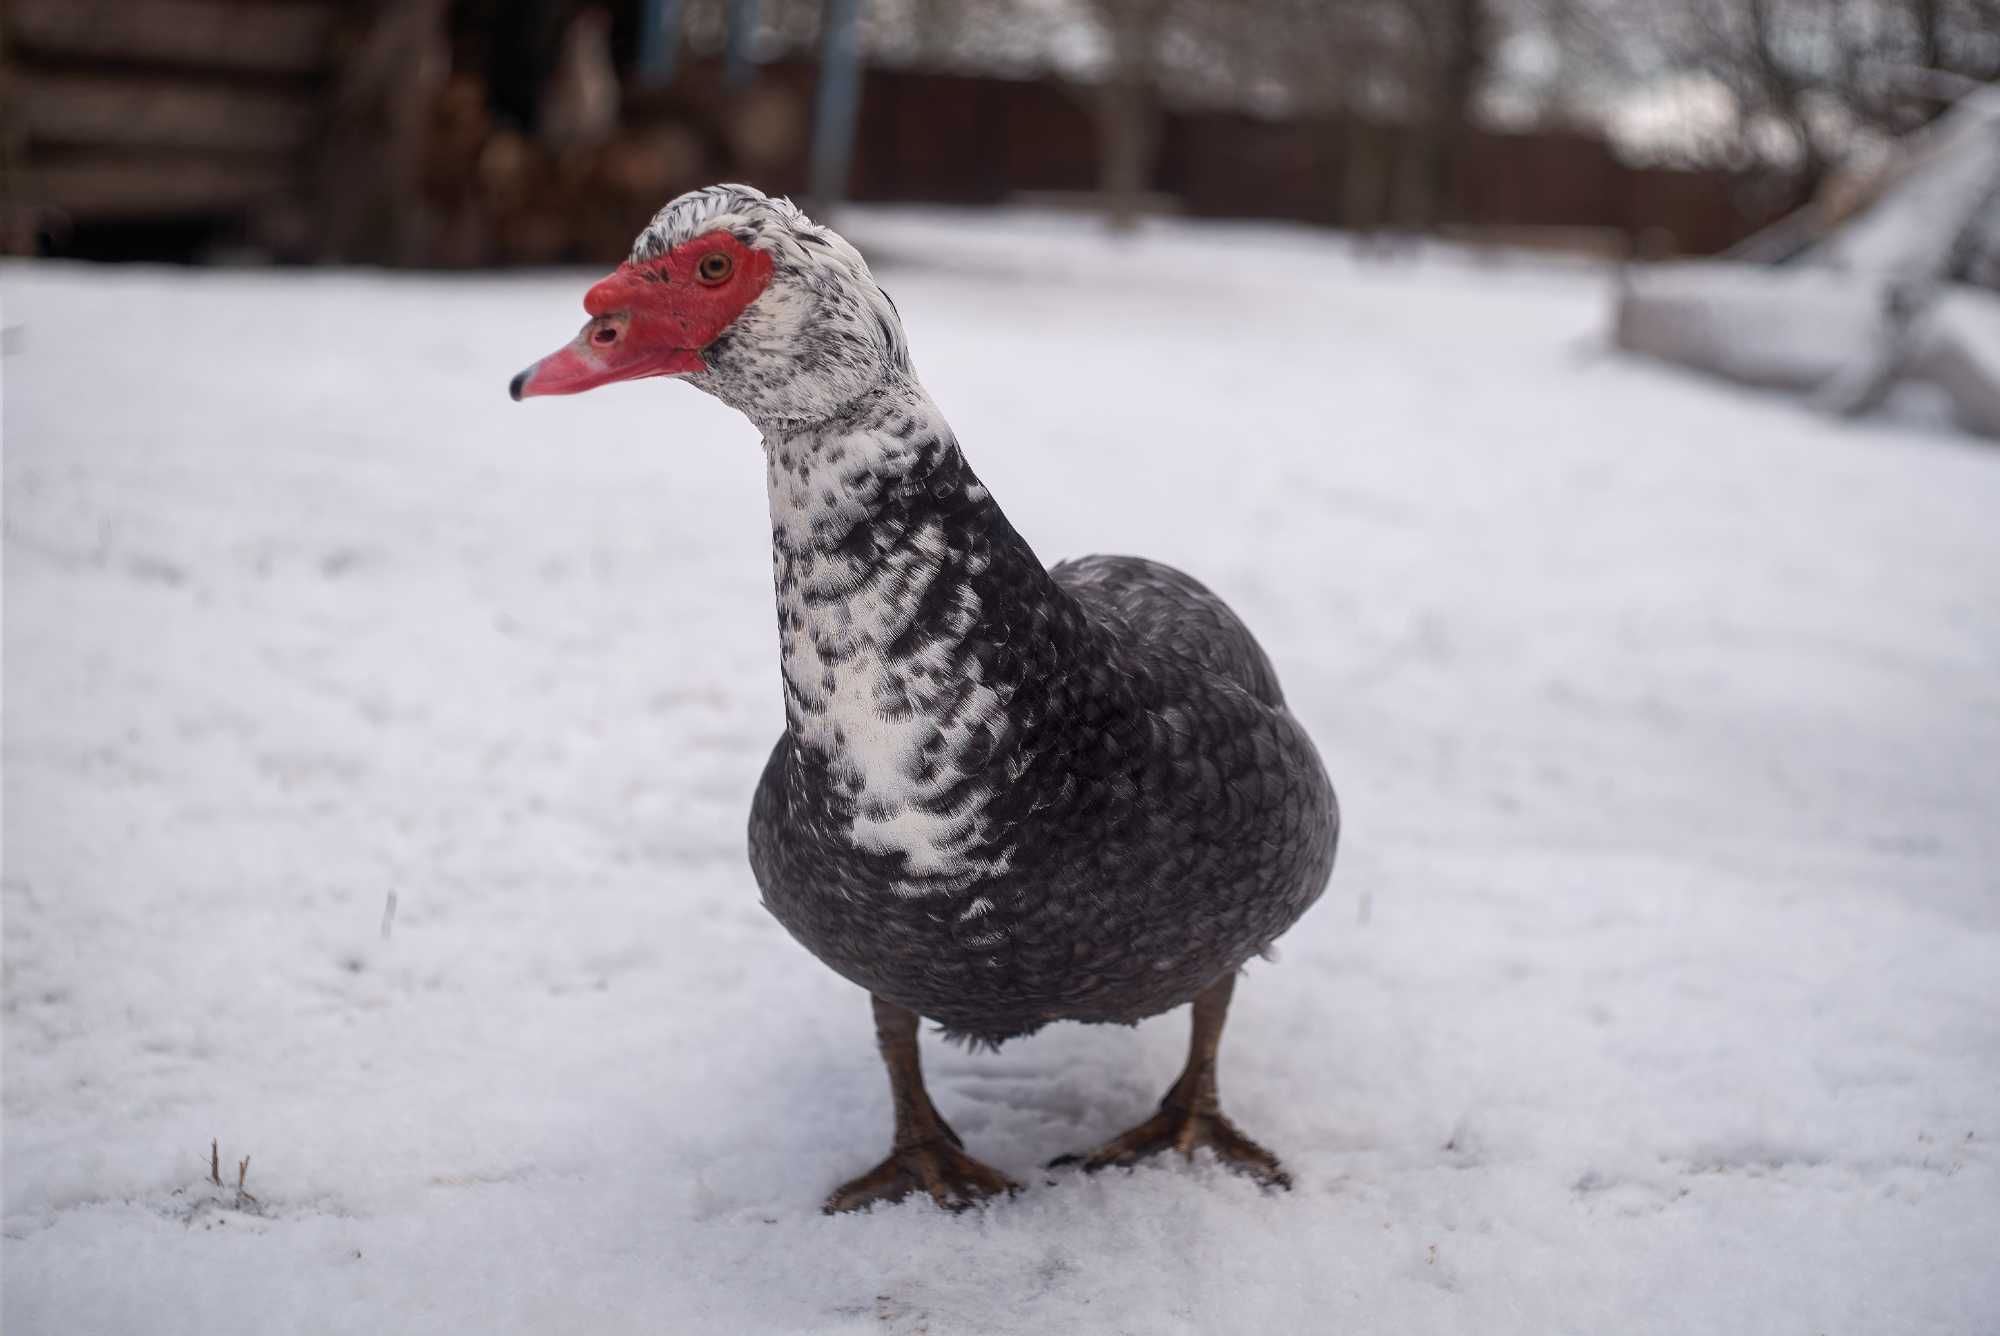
x=1005 y=795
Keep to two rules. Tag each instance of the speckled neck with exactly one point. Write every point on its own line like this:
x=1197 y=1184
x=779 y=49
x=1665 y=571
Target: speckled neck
x=906 y=610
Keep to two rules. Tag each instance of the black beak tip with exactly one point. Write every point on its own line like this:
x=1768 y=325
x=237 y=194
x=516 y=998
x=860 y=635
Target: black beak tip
x=514 y=386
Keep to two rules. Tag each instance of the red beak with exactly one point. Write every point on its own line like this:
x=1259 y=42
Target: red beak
x=610 y=348
x=653 y=319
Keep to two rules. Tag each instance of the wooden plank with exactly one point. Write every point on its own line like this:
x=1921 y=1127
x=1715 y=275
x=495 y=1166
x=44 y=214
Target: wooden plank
x=287 y=38
x=153 y=111
x=112 y=186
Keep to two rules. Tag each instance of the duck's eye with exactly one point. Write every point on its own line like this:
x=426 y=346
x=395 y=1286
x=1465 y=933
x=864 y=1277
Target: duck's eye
x=605 y=337
x=714 y=267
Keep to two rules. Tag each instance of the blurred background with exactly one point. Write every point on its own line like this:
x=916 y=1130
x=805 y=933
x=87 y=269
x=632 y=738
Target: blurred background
x=462 y=133
x=376 y=749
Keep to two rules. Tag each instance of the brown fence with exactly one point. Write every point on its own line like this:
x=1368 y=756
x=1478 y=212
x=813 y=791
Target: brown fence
x=977 y=140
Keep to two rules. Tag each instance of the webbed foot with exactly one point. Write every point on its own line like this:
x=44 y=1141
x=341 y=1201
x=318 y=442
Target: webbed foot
x=954 y=1180
x=1184 y=1129
x=1191 y=1114
x=928 y=1155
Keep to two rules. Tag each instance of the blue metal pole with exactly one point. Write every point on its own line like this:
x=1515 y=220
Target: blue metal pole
x=839 y=101
x=659 y=41
x=737 y=62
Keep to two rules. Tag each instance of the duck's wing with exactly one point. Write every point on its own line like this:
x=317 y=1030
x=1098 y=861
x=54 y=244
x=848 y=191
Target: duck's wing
x=1155 y=608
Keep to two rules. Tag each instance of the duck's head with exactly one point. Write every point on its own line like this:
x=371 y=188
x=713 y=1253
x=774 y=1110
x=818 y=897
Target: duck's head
x=742 y=296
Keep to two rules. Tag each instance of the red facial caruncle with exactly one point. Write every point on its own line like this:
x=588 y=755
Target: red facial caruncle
x=654 y=318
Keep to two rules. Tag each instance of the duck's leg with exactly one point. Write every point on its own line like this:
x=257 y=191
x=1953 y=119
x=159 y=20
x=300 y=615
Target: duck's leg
x=927 y=1155
x=1191 y=1114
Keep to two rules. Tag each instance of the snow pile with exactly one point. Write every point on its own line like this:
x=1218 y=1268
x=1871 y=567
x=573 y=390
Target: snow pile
x=1897 y=295
x=378 y=752
x=1786 y=329
x=1940 y=204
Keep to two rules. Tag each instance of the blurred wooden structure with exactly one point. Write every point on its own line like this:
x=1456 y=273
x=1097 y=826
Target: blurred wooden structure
x=144 y=109
x=319 y=129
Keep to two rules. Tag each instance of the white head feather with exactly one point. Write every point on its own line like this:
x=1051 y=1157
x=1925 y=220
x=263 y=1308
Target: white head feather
x=819 y=337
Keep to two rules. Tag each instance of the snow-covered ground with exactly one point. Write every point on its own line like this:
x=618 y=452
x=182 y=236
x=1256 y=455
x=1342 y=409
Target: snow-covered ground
x=378 y=752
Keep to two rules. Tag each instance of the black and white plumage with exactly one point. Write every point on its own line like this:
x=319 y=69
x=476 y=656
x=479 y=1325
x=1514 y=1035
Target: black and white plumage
x=1006 y=795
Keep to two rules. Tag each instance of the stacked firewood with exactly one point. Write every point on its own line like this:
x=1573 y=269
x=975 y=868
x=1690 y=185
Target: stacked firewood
x=599 y=161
